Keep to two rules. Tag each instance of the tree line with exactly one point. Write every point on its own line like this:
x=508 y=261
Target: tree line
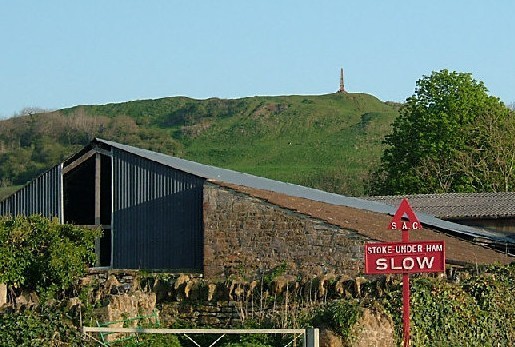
x=32 y=143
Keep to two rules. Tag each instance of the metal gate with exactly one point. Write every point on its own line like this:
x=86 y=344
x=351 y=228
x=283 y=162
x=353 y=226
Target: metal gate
x=309 y=337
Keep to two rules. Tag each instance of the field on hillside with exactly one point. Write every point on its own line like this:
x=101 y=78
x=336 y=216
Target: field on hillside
x=328 y=142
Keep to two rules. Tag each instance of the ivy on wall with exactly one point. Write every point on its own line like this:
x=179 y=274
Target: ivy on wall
x=475 y=310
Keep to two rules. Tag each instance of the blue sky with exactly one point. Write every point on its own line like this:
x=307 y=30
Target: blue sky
x=57 y=54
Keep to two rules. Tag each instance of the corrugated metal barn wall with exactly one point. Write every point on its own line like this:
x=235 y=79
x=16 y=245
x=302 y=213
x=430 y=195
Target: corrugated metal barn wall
x=157 y=215
x=40 y=196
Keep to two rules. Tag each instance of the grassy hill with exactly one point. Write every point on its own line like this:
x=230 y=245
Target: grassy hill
x=328 y=141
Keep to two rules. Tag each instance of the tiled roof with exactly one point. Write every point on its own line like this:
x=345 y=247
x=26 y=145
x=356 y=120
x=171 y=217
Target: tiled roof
x=374 y=225
x=457 y=205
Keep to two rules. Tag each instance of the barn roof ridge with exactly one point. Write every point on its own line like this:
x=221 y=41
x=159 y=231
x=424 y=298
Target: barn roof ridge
x=458 y=205
x=227 y=176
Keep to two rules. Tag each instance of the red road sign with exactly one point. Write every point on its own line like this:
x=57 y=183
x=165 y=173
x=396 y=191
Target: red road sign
x=404 y=257
x=404 y=211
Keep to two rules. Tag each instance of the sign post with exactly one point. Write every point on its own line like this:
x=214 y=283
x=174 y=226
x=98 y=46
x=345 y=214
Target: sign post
x=405 y=257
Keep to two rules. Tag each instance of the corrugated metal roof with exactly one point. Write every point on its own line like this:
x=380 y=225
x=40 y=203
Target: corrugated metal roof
x=458 y=205
x=237 y=178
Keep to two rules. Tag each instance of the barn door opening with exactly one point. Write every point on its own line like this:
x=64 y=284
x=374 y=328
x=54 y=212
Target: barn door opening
x=88 y=199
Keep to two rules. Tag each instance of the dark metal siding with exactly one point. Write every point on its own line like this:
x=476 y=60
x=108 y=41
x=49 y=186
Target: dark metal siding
x=40 y=196
x=157 y=215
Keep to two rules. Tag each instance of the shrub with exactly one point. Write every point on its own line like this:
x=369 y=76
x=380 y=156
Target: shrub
x=340 y=316
x=46 y=327
x=40 y=254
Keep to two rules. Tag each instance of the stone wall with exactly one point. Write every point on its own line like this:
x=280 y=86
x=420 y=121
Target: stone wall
x=3 y=294
x=132 y=298
x=243 y=234
x=373 y=329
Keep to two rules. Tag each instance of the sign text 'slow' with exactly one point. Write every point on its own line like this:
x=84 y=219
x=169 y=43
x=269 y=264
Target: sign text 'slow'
x=402 y=257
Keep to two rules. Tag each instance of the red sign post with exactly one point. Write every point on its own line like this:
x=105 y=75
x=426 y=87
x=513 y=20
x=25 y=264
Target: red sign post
x=404 y=257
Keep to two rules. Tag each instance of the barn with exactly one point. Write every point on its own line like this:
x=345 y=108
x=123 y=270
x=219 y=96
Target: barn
x=163 y=213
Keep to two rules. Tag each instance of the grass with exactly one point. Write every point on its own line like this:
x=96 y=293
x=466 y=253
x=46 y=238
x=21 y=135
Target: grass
x=328 y=141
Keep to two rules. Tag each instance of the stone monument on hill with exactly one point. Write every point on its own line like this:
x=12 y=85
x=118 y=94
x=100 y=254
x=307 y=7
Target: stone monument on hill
x=342 y=84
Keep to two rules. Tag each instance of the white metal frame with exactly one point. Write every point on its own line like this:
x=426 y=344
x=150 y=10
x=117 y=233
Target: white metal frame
x=310 y=335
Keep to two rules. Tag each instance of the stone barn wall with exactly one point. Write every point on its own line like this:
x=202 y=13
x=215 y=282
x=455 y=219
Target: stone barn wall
x=247 y=235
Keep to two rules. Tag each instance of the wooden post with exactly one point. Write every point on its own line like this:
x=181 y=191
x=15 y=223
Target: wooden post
x=312 y=337
x=405 y=297
x=97 y=204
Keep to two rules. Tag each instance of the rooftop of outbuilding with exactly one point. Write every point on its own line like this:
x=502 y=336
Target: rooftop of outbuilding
x=458 y=205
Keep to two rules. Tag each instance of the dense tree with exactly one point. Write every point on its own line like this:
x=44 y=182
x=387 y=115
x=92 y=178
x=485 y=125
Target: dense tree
x=450 y=136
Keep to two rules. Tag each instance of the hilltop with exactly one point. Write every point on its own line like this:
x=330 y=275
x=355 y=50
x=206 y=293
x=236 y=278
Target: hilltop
x=328 y=141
